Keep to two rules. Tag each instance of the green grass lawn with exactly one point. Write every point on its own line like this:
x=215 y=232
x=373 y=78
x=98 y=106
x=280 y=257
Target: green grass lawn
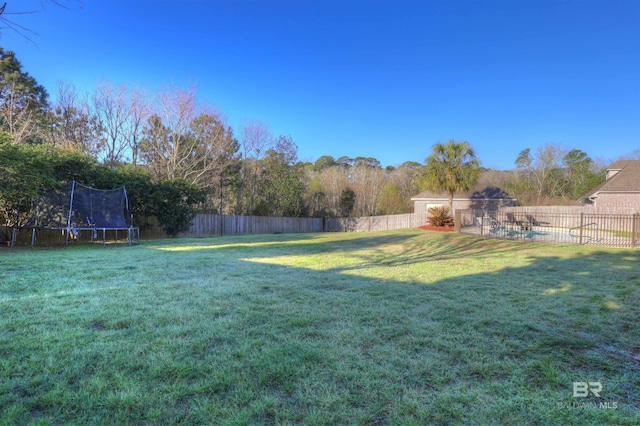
x=386 y=328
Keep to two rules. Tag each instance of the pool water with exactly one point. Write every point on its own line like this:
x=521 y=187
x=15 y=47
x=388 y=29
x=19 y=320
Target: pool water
x=555 y=235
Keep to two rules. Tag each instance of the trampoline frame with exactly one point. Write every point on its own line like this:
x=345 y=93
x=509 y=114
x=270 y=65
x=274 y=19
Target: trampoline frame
x=133 y=232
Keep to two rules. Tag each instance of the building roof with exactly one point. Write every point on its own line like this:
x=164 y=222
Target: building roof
x=621 y=164
x=479 y=193
x=627 y=179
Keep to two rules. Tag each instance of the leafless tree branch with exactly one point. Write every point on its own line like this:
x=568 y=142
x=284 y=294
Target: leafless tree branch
x=6 y=23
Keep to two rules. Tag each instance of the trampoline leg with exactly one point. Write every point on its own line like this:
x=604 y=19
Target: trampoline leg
x=131 y=236
x=13 y=237
x=104 y=237
x=33 y=237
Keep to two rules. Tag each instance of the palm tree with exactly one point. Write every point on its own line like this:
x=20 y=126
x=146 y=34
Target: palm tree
x=451 y=168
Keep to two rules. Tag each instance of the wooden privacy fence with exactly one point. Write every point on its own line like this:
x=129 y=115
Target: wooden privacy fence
x=208 y=225
x=214 y=224
x=205 y=225
x=375 y=223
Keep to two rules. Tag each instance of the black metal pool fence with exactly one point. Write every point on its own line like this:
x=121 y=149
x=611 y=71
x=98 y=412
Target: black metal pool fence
x=610 y=230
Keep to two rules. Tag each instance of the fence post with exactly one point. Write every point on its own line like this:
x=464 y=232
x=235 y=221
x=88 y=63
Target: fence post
x=634 y=229
x=581 y=228
x=14 y=229
x=457 y=214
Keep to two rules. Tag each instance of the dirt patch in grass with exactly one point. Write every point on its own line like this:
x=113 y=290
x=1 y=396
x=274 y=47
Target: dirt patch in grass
x=437 y=228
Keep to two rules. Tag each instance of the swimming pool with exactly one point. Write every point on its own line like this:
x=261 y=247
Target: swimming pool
x=583 y=229
x=539 y=233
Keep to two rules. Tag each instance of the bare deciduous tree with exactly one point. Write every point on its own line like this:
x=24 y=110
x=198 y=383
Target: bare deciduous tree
x=110 y=103
x=256 y=139
x=17 y=119
x=185 y=140
x=367 y=182
x=168 y=136
x=333 y=181
x=140 y=110
x=8 y=22
x=542 y=174
x=74 y=127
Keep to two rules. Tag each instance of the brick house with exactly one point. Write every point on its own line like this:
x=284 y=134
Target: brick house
x=482 y=197
x=621 y=189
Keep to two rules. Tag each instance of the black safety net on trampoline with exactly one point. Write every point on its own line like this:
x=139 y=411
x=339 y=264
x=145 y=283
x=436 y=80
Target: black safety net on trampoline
x=76 y=206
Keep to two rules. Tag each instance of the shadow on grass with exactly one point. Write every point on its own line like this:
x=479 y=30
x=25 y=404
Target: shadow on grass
x=564 y=319
x=393 y=328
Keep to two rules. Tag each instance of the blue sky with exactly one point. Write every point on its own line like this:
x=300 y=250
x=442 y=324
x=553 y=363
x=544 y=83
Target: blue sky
x=383 y=79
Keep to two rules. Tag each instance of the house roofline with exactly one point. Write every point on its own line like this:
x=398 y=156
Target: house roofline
x=618 y=192
x=596 y=194
x=463 y=199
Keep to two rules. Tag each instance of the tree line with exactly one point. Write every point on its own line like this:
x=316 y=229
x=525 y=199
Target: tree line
x=171 y=136
x=123 y=135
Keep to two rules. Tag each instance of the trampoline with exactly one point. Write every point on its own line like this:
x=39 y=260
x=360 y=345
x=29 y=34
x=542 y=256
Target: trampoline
x=75 y=208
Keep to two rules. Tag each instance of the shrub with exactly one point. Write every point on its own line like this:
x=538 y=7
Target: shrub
x=175 y=204
x=439 y=216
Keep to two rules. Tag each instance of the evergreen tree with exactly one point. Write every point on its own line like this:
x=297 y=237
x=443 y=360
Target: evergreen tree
x=452 y=168
x=347 y=202
x=23 y=102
